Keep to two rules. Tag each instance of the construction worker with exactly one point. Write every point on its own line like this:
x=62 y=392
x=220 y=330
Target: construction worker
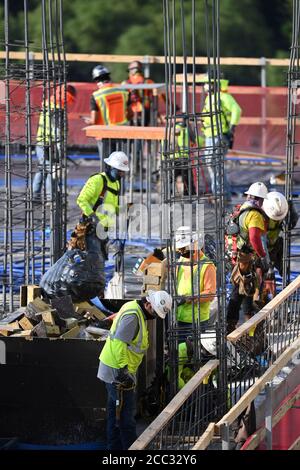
x=140 y=101
x=120 y=358
x=251 y=253
x=108 y=106
x=99 y=198
x=230 y=116
x=196 y=280
x=276 y=207
x=49 y=139
x=185 y=358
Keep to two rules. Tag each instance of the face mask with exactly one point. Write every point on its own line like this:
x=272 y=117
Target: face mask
x=113 y=174
x=186 y=254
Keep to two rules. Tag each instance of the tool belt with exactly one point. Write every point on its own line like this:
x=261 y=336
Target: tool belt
x=243 y=274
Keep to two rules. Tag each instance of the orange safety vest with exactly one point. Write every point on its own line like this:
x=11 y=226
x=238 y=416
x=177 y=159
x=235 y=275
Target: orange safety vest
x=112 y=103
x=139 y=98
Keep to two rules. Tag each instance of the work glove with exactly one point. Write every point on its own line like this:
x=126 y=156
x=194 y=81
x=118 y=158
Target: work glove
x=264 y=264
x=124 y=378
x=230 y=136
x=180 y=300
x=93 y=219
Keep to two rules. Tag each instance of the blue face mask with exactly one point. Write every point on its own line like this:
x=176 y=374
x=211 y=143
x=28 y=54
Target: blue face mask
x=113 y=173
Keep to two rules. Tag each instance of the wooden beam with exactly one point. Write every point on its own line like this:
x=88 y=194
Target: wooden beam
x=259 y=384
x=265 y=311
x=295 y=445
x=171 y=409
x=110 y=58
x=125 y=132
x=206 y=438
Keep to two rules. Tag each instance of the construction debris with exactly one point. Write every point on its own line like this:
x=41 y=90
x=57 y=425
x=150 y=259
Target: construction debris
x=58 y=319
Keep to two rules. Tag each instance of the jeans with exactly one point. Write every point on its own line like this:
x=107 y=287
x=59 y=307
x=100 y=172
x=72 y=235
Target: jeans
x=213 y=169
x=44 y=172
x=120 y=435
x=233 y=309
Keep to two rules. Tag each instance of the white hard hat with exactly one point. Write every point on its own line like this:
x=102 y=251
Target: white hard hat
x=118 y=160
x=275 y=206
x=258 y=190
x=160 y=301
x=209 y=343
x=183 y=237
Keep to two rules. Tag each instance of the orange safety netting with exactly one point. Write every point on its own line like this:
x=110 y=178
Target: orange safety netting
x=262 y=128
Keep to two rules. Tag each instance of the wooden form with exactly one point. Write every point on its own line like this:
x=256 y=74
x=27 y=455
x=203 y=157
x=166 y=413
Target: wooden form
x=265 y=311
x=256 y=438
x=109 y=58
x=171 y=409
x=125 y=132
x=258 y=386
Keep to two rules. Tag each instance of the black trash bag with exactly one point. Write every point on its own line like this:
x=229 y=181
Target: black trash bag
x=77 y=273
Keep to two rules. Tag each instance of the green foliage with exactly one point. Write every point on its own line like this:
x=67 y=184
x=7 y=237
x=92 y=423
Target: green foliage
x=248 y=28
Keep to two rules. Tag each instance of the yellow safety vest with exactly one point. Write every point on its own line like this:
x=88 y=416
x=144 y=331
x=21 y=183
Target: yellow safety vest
x=136 y=348
x=184 y=287
x=51 y=120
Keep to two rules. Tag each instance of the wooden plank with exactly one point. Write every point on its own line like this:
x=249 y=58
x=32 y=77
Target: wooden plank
x=148 y=287
x=150 y=279
x=255 y=439
x=155 y=269
x=26 y=324
x=259 y=384
x=167 y=414
x=265 y=311
x=295 y=445
x=125 y=132
x=111 y=58
x=11 y=317
x=52 y=330
x=33 y=292
x=24 y=333
x=85 y=307
x=71 y=333
x=206 y=438
x=37 y=306
x=48 y=318
x=23 y=296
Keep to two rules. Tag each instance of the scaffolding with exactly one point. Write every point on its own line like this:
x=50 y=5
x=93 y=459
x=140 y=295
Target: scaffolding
x=33 y=225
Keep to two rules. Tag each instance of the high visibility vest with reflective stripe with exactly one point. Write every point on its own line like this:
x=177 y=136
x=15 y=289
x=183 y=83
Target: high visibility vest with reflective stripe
x=184 y=287
x=112 y=103
x=136 y=348
x=48 y=121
